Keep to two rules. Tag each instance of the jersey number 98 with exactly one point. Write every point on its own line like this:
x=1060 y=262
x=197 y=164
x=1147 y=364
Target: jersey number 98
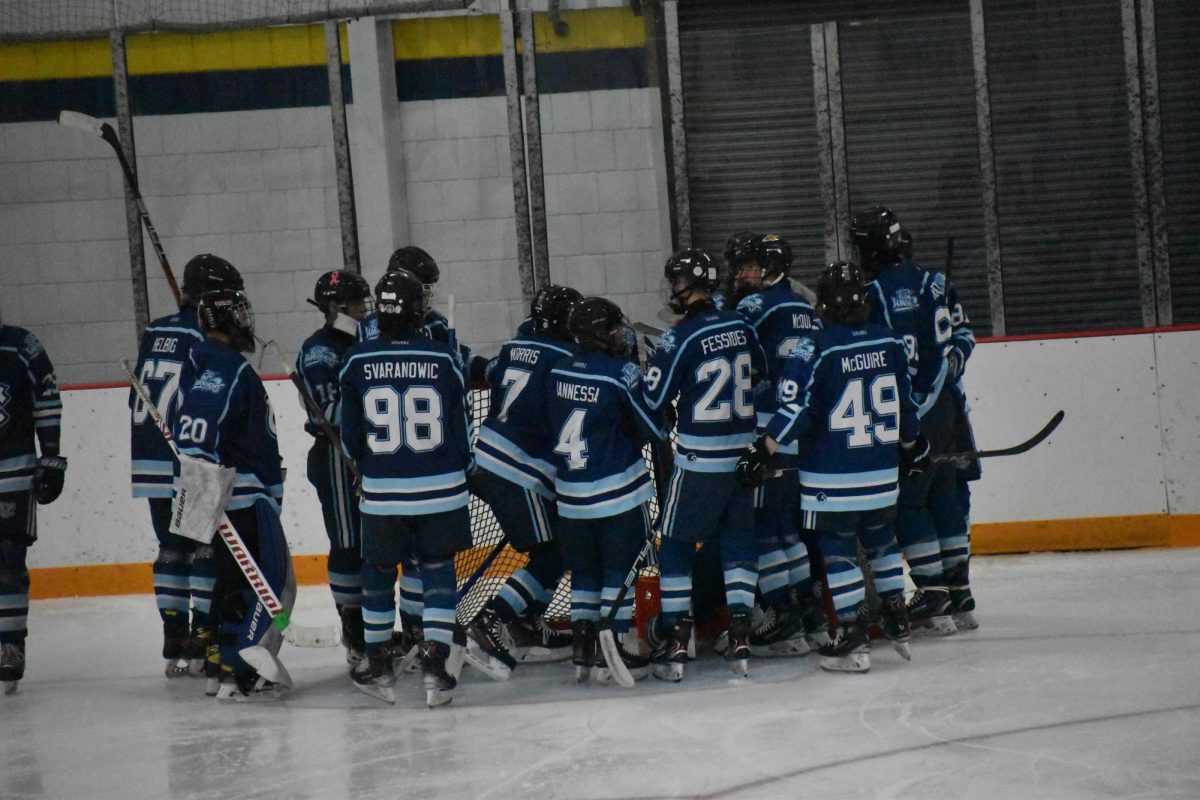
x=412 y=419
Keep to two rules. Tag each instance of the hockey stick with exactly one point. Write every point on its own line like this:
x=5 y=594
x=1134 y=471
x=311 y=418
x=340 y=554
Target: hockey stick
x=1015 y=450
x=295 y=635
x=608 y=640
x=647 y=329
x=73 y=119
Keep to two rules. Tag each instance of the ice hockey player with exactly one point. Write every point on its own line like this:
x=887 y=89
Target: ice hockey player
x=344 y=298
x=229 y=462
x=404 y=423
x=706 y=364
x=516 y=479
x=31 y=474
x=845 y=399
x=912 y=302
x=780 y=318
x=600 y=422
x=184 y=569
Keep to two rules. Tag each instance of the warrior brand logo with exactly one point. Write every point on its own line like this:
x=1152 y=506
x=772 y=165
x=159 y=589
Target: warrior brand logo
x=904 y=300
x=210 y=381
x=5 y=396
x=321 y=356
x=8 y=510
x=667 y=342
x=631 y=374
x=751 y=305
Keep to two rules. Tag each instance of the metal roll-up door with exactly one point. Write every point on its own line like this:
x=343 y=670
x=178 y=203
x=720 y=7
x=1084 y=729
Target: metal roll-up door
x=1176 y=22
x=751 y=140
x=912 y=143
x=1061 y=133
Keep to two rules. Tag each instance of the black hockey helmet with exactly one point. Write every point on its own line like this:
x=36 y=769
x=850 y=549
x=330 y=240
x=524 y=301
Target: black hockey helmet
x=205 y=273
x=416 y=261
x=338 y=288
x=551 y=308
x=690 y=270
x=904 y=244
x=876 y=235
x=738 y=247
x=774 y=255
x=597 y=323
x=842 y=292
x=228 y=311
x=400 y=302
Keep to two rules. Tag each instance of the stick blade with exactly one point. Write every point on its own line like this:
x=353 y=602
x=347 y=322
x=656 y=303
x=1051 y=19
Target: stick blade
x=612 y=656
x=74 y=119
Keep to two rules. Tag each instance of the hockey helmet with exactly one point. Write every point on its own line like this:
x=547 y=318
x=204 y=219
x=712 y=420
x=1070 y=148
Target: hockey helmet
x=876 y=235
x=338 y=289
x=687 y=271
x=597 y=323
x=400 y=302
x=841 y=291
x=205 y=273
x=551 y=308
x=228 y=311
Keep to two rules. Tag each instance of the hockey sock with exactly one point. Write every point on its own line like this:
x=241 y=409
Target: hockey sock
x=14 y=592
x=918 y=539
x=950 y=524
x=173 y=585
x=739 y=562
x=799 y=567
x=883 y=554
x=379 y=606
x=345 y=578
x=529 y=589
x=202 y=582
x=773 y=572
x=412 y=592
x=438 y=617
x=613 y=581
x=675 y=584
x=843 y=574
x=585 y=595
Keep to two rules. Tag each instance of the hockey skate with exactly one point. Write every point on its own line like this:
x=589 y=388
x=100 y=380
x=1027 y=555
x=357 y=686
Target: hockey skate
x=373 y=675
x=848 y=650
x=406 y=647
x=12 y=665
x=928 y=611
x=584 y=651
x=353 y=635
x=633 y=666
x=175 y=642
x=535 y=641
x=814 y=619
x=197 y=649
x=439 y=684
x=962 y=604
x=671 y=655
x=486 y=650
x=778 y=632
x=895 y=622
x=738 y=652
x=255 y=690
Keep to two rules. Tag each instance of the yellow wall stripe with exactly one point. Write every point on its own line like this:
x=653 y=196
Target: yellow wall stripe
x=1096 y=533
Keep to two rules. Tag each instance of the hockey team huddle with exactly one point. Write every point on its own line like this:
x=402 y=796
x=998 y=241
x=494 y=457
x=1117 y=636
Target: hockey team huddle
x=806 y=440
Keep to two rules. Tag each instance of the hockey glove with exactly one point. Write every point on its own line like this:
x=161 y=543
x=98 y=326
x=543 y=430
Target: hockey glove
x=755 y=464
x=955 y=363
x=915 y=456
x=48 y=478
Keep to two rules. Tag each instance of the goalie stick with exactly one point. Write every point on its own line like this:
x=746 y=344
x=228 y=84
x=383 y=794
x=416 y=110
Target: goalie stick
x=74 y=119
x=293 y=634
x=608 y=640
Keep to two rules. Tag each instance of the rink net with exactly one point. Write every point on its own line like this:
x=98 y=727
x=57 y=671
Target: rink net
x=482 y=570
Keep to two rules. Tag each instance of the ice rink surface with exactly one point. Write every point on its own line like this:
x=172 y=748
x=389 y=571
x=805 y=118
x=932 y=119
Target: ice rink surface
x=1083 y=681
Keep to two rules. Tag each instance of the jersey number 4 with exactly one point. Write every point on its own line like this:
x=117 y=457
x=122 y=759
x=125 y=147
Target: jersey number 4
x=571 y=444
x=868 y=423
x=412 y=419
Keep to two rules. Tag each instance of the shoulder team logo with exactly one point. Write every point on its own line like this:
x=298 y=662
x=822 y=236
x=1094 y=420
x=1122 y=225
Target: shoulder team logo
x=666 y=342
x=904 y=300
x=321 y=355
x=210 y=381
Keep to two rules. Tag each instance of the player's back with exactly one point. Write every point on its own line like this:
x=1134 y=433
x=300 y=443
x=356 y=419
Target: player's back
x=165 y=345
x=912 y=302
x=514 y=440
x=318 y=364
x=708 y=359
x=28 y=398
x=403 y=418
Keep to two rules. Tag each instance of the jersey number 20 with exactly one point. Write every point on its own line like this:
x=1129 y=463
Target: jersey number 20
x=412 y=419
x=852 y=413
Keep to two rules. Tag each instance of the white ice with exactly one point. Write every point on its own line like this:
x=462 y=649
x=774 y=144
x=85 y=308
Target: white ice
x=1083 y=681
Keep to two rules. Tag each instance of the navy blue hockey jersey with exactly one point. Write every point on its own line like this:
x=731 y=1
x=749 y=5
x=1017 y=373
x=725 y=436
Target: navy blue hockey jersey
x=847 y=400
x=437 y=327
x=318 y=364
x=403 y=418
x=29 y=407
x=709 y=360
x=226 y=417
x=780 y=318
x=163 y=352
x=514 y=441
x=912 y=302
x=962 y=337
x=600 y=420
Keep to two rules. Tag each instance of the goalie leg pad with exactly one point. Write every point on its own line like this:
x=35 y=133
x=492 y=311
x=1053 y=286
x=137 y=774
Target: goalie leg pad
x=201 y=496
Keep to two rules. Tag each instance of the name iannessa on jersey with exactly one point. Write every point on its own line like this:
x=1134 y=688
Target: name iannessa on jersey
x=577 y=392
x=385 y=370
x=722 y=341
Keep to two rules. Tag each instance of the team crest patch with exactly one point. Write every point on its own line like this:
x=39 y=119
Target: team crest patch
x=904 y=300
x=631 y=374
x=31 y=346
x=751 y=305
x=666 y=342
x=210 y=381
x=804 y=350
x=8 y=509
x=321 y=356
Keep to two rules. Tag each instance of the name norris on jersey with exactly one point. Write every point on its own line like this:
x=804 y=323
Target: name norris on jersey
x=861 y=361
x=526 y=355
x=576 y=392
x=721 y=341
x=390 y=370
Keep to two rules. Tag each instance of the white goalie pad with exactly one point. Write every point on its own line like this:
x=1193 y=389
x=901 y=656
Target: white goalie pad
x=203 y=492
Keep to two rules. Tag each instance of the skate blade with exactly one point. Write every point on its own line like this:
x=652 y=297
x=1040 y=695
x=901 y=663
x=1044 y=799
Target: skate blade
x=544 y=655
x=176 y=668
x=10 y=687
x=740 y=667
x=230 y=692
x=485 y=663
x=582 y=674
x=855 y=662
x=965 y=620
x=903 y=649
x=438 y=697
x=668 y=672
x=786 y=648
x=385 y=693
x=941 y=625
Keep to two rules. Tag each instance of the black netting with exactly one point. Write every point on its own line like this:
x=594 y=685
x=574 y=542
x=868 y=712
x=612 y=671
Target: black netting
x=483 y=569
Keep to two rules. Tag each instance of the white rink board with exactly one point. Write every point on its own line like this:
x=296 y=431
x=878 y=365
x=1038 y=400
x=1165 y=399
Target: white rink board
x=1106 y=459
